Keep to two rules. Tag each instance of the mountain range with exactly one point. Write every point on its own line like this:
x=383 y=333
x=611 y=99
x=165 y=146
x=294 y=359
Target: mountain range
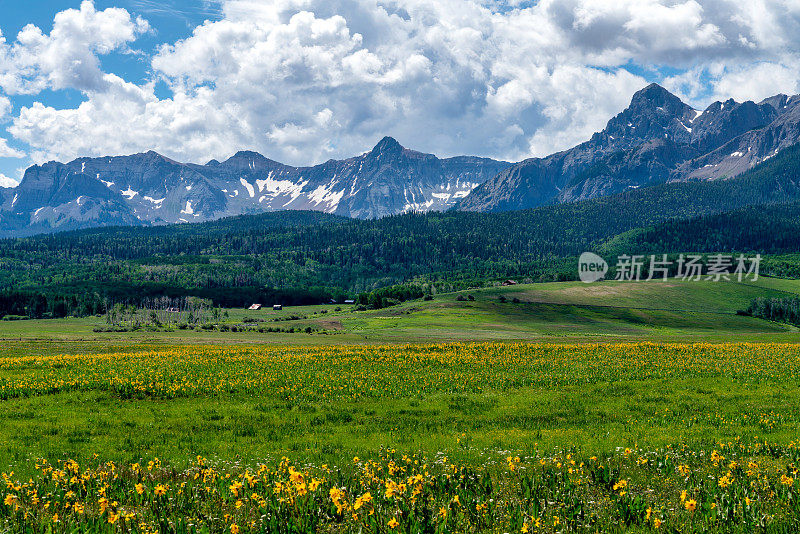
x=657 y=139
x=150 y=189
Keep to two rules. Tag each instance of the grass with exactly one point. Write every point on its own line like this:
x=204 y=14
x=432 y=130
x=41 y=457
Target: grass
x=249 y=428
x=560 y=312
x=497 y=425
x=479 y=405
x=253 y=402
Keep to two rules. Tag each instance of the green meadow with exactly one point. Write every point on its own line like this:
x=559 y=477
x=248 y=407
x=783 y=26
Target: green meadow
x=543 y=407
x=561 y=311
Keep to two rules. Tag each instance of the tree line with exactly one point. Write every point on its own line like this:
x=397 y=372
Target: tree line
x=782 y=310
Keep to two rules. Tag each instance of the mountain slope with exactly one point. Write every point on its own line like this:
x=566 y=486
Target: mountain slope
x=416 y=244
x=307 y=256
x=771 y=229
x=150 y=189
x=656 y=139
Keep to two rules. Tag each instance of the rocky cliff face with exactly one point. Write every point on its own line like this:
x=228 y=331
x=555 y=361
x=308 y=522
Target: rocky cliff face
x=657 y=138
x=146 y=189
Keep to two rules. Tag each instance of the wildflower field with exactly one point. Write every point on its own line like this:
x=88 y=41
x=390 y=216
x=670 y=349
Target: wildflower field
x=418 y=438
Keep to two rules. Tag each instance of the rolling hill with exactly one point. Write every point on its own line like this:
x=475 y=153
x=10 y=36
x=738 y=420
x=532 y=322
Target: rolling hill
x=554 y=312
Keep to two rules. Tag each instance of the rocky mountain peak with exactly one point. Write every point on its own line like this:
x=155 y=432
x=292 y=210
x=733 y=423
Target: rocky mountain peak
x=778 y=101
x=153 y=156
x=245 y=154
x=656 y=97
x=653 y=112
x=387 y=145
x=247 y=160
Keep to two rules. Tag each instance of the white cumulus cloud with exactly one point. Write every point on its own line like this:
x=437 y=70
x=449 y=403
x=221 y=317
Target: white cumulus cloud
x=5 y=181
x=306 y=80
x=5 y=107
x=67 y=57
x=9 y=152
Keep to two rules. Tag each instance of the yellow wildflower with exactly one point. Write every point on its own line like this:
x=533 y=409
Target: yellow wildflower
x=366 y=498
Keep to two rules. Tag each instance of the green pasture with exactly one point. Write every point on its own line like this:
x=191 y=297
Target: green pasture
x=561 y=311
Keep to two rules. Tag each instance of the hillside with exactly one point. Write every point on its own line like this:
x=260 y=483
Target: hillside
x=554 y=312
x=765 y=229
x=574 y=311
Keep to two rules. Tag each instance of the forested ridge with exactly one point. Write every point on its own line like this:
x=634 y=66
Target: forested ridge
x=300 y=257
x=770 y=229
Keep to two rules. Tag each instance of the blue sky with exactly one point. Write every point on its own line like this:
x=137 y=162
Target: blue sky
x=170 y=20
x=303 y=81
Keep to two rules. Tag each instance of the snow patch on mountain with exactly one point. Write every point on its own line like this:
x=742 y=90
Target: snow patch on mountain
x=277 y=187
x=129 y=193
x=418 y=206
x=295 y=193
x=325 y=195
x=250 y=190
